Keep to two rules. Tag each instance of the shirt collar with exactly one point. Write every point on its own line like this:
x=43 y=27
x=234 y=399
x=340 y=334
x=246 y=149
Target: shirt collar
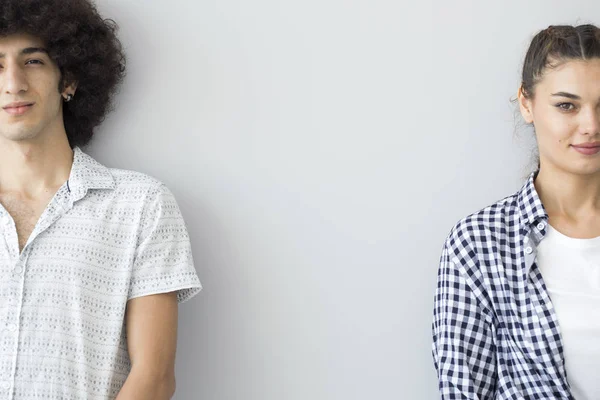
x=531 y=209
x=87 y=173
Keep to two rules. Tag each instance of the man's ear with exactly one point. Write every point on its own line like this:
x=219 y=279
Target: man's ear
x=525 y=105
x=70 y=88
x=69 y=83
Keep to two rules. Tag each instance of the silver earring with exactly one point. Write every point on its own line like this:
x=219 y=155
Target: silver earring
x=69 y=98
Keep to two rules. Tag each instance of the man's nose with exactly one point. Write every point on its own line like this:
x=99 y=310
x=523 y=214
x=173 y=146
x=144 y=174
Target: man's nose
x=15 y=80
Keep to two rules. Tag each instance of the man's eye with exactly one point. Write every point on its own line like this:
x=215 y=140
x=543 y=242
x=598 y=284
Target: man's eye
x=34 y=61
x=566 y=106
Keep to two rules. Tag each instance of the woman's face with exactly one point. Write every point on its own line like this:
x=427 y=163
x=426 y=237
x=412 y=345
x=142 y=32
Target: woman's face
x=565 y=111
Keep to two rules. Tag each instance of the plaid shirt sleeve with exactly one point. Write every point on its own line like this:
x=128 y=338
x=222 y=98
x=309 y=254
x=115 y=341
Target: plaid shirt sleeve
x=463 y=347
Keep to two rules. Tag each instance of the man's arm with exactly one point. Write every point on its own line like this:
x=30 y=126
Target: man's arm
x=152 y=341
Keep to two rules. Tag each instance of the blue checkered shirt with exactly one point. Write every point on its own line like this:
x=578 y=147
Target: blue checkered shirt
x=495 y=331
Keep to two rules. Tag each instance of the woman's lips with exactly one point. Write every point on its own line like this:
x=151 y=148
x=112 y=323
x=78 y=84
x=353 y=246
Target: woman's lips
x=588 y=151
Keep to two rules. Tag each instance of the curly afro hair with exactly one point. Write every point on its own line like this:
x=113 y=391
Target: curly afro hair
x=85 y=48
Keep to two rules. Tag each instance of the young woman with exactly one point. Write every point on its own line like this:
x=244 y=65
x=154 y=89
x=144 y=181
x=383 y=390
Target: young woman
x=517 y=304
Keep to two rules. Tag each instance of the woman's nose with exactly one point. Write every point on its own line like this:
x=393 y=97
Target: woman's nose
x=591 y=122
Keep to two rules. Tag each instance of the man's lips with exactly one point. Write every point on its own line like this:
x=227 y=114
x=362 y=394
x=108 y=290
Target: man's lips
x=18 y=108
x=17 y=104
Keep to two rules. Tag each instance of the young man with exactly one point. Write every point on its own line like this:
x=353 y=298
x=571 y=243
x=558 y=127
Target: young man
x=93 y=261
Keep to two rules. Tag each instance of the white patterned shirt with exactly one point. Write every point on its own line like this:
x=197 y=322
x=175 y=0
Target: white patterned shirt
x=107 y=236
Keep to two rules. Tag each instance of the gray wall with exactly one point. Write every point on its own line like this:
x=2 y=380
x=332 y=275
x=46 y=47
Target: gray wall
x=320 y=151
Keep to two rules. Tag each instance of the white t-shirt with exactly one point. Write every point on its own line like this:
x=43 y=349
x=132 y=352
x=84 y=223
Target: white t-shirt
x=107 y=236
x=570 y=268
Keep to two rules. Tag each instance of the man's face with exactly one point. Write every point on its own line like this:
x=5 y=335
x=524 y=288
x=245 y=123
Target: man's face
x=30 y=102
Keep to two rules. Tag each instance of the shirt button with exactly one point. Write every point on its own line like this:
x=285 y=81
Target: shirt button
x=528 y=250
x=5 y=385
x=18 y=269
x=12 y=327
x=541 y=226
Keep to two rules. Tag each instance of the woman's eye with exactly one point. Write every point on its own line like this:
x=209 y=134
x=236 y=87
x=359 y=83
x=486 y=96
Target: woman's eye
x=565 y=106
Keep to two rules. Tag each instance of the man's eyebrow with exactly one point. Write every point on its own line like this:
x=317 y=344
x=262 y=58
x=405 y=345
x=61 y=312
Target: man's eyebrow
x=29 y=50
x=567 y=95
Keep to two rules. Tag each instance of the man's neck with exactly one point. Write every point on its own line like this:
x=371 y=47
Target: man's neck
x=31 y=169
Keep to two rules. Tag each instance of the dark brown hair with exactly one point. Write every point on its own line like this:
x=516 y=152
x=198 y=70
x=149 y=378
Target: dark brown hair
x=85 y=48
x=553 y=47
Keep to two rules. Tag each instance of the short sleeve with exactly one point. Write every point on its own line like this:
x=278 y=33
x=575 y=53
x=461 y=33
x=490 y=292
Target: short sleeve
x=163 y=259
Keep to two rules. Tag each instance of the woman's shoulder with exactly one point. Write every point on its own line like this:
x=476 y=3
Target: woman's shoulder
x=493 y=215
x=494 y=222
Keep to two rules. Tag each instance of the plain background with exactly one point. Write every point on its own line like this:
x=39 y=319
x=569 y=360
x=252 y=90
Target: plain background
x=321 y=151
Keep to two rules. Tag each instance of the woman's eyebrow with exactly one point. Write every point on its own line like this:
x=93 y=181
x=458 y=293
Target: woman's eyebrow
x=568 y=95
